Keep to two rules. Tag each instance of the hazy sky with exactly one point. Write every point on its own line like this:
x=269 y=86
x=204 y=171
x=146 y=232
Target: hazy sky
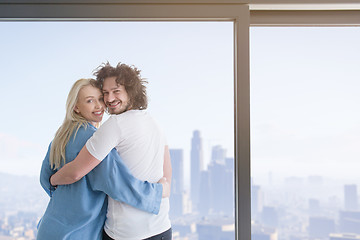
x=305 y=88
x=305 y=85
x=189 y=67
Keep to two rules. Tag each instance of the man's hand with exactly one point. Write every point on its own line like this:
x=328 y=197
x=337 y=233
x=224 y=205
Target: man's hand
x=166 y=187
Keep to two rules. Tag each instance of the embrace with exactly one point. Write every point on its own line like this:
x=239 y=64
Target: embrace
x=110 y=181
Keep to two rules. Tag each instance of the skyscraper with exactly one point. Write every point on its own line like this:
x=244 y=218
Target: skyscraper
x=321 y=227
x=350 y=195
x=344 y=236
x=177 y=183
x=218 y=154
x=196 y=164
x=205 y=198
x=256 y=202
x=222 y=188
x=269 y=216
x=349 y=222
x=177 y=162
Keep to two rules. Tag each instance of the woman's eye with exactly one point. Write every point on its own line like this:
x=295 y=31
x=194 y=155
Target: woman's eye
x=89 y=101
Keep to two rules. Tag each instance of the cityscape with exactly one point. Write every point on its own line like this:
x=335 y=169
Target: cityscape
x=289 y=208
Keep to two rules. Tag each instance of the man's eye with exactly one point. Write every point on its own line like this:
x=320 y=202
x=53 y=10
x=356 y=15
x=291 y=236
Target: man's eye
x=116 y=91
x=105 y=93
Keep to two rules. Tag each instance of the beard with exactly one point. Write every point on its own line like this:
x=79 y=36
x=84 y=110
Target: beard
x=121 y=109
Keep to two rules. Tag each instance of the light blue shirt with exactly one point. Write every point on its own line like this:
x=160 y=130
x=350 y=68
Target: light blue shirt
x=78 y=211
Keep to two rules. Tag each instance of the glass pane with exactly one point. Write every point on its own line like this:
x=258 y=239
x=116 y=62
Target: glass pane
x=305 y=133
x=189 y=67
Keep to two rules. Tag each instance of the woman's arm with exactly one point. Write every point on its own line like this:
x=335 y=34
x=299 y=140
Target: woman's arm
x=76 y=169
x=114 y=178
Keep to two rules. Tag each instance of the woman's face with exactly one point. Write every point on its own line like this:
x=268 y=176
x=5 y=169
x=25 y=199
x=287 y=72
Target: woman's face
x=90 y=104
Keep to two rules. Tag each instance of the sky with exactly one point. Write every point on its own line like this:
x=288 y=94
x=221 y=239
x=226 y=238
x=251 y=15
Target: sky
x=305 y=85
x=189 y=67
x=304 y=88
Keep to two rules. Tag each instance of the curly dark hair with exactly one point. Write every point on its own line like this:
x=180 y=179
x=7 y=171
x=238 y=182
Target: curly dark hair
x=129 y=77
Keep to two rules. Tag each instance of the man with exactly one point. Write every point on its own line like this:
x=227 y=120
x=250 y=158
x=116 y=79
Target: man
x=139 y=142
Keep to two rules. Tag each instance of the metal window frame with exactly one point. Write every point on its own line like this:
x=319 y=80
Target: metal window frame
x=238 y=13
x=262 y=13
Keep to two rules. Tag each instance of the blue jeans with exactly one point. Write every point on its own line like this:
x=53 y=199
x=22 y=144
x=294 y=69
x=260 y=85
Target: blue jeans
x=167 y=235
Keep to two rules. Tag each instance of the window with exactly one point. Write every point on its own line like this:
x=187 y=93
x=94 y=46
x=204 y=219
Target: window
x=236 y=14
x=305 y=132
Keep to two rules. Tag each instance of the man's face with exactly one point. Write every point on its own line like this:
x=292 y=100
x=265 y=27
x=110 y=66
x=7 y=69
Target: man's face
x=115 y=96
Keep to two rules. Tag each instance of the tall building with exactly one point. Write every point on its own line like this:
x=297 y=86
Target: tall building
x=217 y=229
x=205 y=197
x=229 y=163
x=256 y=202
x=259 y=232
x=222 y=188
x=349 y=222
x=177 y=183
x=218 y=154
x=350 y=197
x=196 y=164
x=344 y=236
x=314 y=207
x=269 y=217
x=177 y=162
x=321 y=227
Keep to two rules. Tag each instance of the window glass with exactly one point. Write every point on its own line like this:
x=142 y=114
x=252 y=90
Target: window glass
x=305 y=133
x=189 y=69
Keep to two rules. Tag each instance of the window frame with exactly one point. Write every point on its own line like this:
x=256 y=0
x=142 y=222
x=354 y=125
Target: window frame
x=237 y=11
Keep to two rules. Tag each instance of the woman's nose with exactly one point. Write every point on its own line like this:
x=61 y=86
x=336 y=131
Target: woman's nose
x=98 y=105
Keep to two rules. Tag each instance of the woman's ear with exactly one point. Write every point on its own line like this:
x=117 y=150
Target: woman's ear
x=76 y=109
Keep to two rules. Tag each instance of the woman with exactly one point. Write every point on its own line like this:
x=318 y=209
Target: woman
x=78 y=211
x=141 y=144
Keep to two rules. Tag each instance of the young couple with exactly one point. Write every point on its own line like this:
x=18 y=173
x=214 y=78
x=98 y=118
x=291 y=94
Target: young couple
x=122 y=161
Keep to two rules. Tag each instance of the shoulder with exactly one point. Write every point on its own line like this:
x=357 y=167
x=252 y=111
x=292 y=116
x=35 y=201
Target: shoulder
x=81 y=135
x=119 y=119
x=133 y=113
x=110 y=125
x=85 y=131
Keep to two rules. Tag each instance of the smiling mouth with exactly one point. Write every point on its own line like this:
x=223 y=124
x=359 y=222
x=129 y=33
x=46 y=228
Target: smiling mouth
x=113 y=105
x=100 y=113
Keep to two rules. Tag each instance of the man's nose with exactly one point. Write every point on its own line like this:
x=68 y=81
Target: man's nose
x=109 y=97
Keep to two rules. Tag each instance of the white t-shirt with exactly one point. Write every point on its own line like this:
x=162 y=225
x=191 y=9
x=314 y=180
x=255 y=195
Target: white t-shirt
x=140 y=143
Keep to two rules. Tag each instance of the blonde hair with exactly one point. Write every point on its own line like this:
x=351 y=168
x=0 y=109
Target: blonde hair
x=71 y=122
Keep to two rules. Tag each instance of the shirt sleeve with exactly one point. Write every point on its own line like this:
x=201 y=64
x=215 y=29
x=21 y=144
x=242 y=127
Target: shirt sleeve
x=114 y=178
x=104 y=139
x=45 y=174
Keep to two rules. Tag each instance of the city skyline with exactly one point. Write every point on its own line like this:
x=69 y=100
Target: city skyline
x=322 y=212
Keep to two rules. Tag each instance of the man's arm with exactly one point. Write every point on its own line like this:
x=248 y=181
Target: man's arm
x=96 y=149
x=114 y=178
x=76 y=169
